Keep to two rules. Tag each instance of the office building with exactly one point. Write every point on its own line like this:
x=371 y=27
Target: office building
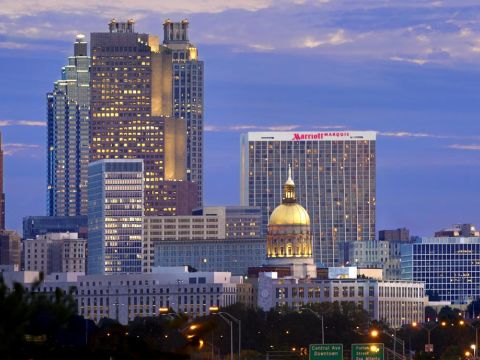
x=187 y=95
x=459 y=230
x=41 y=225
x=125 y=297
x=220 y=229
x=401 y=234
x=54 y=253
x=375 y=254
x=68 y=128
x=394 y=302
x=335 y=181
x=10 y=247
x=231 y=255
x=131 y=115
x=447 y=265
x=115 y=216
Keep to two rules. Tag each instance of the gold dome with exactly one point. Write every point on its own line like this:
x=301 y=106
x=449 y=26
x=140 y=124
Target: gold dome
x=289 y=214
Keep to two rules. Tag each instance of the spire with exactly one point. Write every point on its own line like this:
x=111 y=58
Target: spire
x=289 y=188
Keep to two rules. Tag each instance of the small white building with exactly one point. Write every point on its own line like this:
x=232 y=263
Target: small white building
x=124 y=297
x=55 y=252
x=395 y=302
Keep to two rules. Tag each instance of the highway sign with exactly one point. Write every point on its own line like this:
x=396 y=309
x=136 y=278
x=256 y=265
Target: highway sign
x=371 y=351
x=326 y=352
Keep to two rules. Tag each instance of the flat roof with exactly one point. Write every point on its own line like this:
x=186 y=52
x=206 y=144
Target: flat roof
x=344 y=135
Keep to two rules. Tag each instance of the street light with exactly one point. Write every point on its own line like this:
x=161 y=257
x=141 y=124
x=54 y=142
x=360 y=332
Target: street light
x=474 y=348
x=229 y=319
x=374 y=333
x=475 y=327
x=318 y=317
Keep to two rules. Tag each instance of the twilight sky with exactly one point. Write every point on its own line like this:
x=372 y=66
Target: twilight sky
x=407 y=69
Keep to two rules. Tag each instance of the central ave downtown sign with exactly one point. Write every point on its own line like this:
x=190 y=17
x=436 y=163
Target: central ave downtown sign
x=370 y=351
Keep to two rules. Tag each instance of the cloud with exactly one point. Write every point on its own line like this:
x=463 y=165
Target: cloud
x=402 y=134
x=22 y=123
x=248 y=127
x=262 y=47
x=10 y=149
x=413 y=61
x=336 y=38
x=472 y=147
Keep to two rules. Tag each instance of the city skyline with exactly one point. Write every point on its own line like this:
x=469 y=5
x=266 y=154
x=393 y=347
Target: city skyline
x=414 y=154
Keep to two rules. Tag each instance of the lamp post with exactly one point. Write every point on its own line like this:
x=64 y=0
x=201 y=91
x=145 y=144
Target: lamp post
x=318 y=317
x=229 y=319
x=475 y=327
x=429 y=328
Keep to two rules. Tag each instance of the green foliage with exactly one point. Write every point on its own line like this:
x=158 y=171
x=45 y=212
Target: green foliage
x=29 y=317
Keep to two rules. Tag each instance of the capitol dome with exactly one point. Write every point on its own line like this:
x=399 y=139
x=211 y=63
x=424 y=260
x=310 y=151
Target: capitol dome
x=289 y=214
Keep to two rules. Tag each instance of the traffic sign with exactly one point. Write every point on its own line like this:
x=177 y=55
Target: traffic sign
x=371 y=351
x=326 y=352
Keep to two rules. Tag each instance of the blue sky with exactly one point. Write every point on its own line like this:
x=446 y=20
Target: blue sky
x=409 y=70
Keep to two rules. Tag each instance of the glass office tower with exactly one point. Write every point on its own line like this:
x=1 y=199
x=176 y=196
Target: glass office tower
x=68 y=136
x=334 y=174
x=115 y=216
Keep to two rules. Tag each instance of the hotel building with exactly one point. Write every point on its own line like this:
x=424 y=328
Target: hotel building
x=335 y=181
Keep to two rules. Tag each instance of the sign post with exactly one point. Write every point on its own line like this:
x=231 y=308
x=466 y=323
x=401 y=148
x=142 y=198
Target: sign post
x=326 y=352
x=371 y=351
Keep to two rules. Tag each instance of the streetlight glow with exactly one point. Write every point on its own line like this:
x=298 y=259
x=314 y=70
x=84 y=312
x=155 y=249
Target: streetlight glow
x=374 y=333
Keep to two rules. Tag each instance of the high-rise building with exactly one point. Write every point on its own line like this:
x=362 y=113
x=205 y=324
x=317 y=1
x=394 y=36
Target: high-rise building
x=187 y=95
x=334 y=174
x=55 y=252
x=2 y=194
x=10 y=247
x=41 y=225
x=401 y=234
x=68 y=136
x=131 y=115
x=115 y=216
x=447 y=265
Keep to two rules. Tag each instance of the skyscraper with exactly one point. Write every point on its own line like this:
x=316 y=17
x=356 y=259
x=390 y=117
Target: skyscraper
x=131 y=108
x=2 y=194
x=188 y=92
x=115 y=216
x=68 y=136
x=334 y=174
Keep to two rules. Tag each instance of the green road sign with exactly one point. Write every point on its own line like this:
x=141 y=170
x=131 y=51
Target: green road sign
x=326 y=352
x=371 y=351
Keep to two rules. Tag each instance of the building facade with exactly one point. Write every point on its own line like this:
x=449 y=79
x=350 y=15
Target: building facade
x=125 y=297
x=68 y=127
x=41 y=225
x=375 y=254
x=131 y=115
x=54 y=253
x=231 y=255
x=206 y=228
x=115 y=216
x=187 y=95
x=459 y=230
x=335 y=176
x=394 y=302
x=2 y=194
x=449 y=267
x=401 y=234
x=10 y=248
